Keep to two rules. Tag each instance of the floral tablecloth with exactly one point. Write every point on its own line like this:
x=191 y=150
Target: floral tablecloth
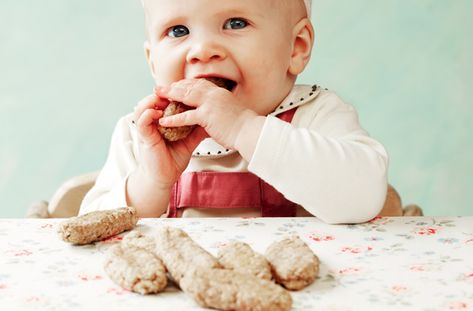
x=419 y=263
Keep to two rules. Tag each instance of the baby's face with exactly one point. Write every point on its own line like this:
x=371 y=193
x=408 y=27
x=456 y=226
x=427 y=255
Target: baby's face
x=247 y=41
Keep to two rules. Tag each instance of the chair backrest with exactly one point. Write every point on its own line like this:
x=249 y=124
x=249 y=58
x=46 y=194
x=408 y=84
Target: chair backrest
x=67 y=199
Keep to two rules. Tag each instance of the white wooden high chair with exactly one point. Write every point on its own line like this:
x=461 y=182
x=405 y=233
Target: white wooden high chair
x=67 y=199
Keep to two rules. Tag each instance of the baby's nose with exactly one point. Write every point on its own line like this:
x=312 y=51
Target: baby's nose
x=205 y=52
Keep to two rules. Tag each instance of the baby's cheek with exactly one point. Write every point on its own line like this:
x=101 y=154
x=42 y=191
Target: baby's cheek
x=167 y=68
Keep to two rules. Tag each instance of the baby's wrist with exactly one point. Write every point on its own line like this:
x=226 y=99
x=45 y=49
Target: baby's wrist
x=248 y=135
x=149 y=181
x=148 y=197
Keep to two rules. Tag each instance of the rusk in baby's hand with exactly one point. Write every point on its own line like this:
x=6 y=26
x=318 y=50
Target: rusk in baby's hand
x=174 y=107
x=175 y=133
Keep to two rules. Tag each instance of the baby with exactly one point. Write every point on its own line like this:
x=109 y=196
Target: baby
x=262 y=147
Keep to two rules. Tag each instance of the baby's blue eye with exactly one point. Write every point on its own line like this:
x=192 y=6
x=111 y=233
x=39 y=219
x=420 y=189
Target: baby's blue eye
x=235 y=23
x=178 y=31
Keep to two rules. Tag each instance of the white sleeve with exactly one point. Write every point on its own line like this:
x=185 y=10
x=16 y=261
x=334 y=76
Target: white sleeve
x=109 y=190
x=329 y=165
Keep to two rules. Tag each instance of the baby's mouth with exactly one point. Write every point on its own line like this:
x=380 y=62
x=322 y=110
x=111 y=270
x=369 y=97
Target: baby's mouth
x=223 y=82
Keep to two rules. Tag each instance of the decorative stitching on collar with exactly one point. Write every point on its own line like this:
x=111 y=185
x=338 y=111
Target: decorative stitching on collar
x=295 y=102
x=213 y=150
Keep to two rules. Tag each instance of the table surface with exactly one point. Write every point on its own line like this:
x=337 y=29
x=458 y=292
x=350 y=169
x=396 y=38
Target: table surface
x=405 y=263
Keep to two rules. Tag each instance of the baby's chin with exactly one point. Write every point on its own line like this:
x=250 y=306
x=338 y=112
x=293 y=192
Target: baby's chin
x=263 y=100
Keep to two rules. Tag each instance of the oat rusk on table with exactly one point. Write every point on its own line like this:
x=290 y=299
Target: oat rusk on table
x=97 y=225
x=239 y=256
x=293 y=263
x=135 y=269
x=180 y=253
x=230 y=290
x=137 y=239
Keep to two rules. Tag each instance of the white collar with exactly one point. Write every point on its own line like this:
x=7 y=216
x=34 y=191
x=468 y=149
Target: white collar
x=299 y=95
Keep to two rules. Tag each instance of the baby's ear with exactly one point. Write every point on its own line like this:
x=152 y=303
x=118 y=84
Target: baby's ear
x=303 y=40
x=147 y=50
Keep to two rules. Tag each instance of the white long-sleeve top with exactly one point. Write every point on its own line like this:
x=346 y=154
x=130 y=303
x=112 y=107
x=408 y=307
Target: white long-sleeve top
x=323 y=160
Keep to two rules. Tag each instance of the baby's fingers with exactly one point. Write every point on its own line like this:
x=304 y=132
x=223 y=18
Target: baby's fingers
x=146 y=126
x=149 y=102
x=188 y=117
x=190 y=92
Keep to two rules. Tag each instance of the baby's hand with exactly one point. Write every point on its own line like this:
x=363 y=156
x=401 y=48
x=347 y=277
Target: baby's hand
x=161 y=162
x=217 y=110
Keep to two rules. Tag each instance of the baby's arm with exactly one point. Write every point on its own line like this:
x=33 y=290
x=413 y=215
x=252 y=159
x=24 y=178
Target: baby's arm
x=326 y=163
x=109 y=190
x=141 y=168
x=119 y=183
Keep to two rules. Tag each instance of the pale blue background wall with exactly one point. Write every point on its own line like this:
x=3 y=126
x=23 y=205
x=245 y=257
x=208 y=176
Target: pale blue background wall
x=69 y=69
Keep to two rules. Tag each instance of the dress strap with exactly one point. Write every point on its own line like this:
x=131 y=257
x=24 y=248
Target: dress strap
x=228 y=190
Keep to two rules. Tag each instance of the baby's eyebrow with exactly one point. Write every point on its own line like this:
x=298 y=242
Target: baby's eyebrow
x=237 y=12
